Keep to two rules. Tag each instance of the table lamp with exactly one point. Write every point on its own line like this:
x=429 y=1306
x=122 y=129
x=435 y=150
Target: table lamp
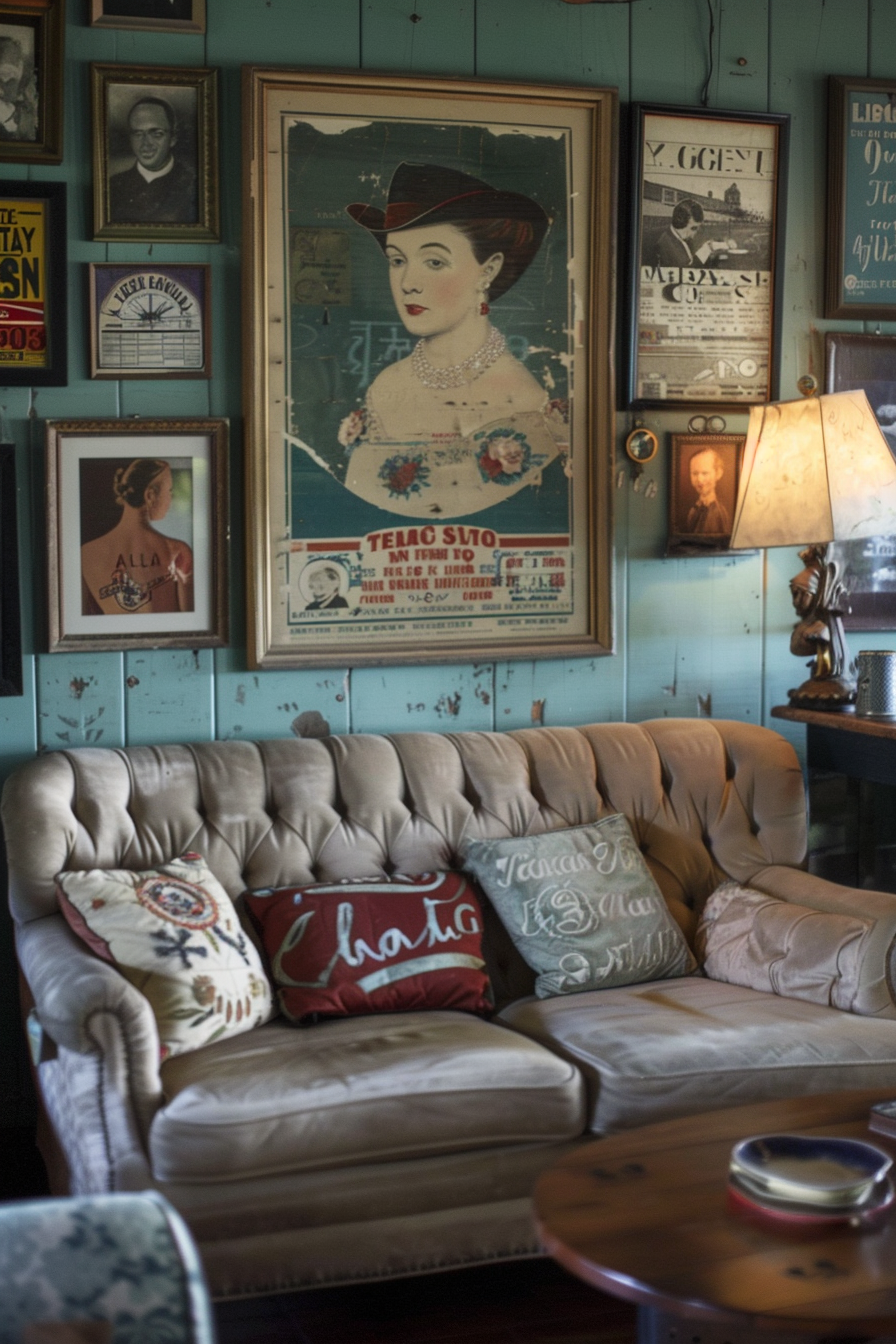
x=814 y=471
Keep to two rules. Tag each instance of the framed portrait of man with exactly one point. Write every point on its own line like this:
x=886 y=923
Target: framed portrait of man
x=704 y=469
x=31 y=80
x=155 y=153
x=160 y=16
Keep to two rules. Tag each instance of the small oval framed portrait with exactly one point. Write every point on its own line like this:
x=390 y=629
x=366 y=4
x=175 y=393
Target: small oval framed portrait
x=642 y=445
x=323 y=584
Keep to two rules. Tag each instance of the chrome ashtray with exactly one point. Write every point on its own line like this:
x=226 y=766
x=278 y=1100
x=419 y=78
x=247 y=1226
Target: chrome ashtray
x=836 y=1174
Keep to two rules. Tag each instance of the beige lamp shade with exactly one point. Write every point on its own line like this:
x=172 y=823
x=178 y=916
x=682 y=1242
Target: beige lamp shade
x=814 y=470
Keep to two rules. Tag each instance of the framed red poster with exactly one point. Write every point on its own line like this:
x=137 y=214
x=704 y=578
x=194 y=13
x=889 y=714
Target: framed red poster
x=32 y=285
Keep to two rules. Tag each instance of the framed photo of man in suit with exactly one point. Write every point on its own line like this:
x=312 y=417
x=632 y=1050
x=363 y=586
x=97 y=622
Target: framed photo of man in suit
x=155 y=153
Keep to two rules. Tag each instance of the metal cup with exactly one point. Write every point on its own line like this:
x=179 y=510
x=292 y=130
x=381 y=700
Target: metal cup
x=876 y=690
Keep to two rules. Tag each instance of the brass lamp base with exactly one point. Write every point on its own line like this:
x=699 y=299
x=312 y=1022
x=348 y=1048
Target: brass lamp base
x=834 y=693
x=818 y=595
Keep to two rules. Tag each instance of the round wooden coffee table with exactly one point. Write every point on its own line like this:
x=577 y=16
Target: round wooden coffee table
x=644 y=1215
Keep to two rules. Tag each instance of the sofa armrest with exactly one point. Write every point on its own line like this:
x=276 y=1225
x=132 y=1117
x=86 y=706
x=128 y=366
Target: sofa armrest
x=876 y=991
x=77 y=997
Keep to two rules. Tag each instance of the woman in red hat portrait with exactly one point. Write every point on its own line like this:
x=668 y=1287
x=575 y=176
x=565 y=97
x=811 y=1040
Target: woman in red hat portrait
x=432 y=433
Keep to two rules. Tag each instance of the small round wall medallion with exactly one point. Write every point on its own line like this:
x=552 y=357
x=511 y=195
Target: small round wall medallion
x=642 y=445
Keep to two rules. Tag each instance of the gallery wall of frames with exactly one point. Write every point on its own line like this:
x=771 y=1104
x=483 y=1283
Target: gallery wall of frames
x=228 y=505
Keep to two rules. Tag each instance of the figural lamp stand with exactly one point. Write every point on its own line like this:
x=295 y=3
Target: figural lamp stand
x=815 y=471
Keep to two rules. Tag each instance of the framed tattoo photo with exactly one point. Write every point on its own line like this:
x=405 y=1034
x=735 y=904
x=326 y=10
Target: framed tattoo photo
x=707 y=233
x=704 y=476
x=150 y=321
x=33 y=348
x=137 y=533
x=10 y=606
x=428 y=273
x=32 y=36
x=854 y=361
x=159 y=16
x=861 y=241
x=155 y=153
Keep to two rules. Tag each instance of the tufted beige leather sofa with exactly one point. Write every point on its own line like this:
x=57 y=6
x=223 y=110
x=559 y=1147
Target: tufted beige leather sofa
x=401 y=1143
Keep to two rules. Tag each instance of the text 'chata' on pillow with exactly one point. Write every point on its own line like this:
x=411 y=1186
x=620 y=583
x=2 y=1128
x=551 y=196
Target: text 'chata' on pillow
x=581 y=906
x=174 y=933
x=366 y=946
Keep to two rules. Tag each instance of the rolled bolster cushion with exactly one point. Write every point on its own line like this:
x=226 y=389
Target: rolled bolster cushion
x=749 y=938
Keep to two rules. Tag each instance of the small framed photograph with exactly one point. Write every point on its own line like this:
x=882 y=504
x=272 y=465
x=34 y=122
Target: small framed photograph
x=860 y=245
x=137 y=533
x=707 y=256
x=705 y=470
x=155 y=153
x=32 y=34
x=10 y=608
x=869 y=566
x=33 y=349
x=159 y=16
x=150 y=321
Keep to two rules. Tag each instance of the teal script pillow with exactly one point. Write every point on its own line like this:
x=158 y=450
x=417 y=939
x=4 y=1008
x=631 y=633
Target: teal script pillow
x=581 y=907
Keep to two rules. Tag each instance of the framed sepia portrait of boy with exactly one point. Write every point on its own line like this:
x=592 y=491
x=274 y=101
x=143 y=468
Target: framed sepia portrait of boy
x=428 y=273
x=704 y=474
x=32 y=34
x=159 y=16
x=137 y=533
x=155 y=153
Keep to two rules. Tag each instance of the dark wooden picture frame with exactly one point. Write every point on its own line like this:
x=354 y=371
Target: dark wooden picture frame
x=157 y=16
x=150 y=321
x=854 y=360
x=116 y=580
x=861 y=241
x=32 y=46
x=167 y=115
x=33 y=315
x=705 y=319
x=704 y=472
x=11 y=682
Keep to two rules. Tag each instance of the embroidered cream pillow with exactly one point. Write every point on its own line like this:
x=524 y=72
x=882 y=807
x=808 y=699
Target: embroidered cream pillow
x=174 y=933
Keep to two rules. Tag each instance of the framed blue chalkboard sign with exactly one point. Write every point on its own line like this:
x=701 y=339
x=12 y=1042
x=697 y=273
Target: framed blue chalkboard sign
x=861 y=226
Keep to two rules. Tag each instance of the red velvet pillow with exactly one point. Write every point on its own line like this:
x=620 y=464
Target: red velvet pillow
x=338 y=949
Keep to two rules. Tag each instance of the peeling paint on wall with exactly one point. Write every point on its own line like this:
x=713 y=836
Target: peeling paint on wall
x=538 y=711
x=449 y=704
x=310 y=724
x=78 y=686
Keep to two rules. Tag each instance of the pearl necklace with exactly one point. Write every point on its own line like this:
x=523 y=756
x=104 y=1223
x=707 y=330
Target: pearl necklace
x=455 y=375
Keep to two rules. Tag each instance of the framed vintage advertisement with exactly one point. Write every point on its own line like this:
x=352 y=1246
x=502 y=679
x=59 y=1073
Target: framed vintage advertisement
x=160 y=16
x=10 y=606
x=33 y=350
x=869 y=566
x=707 y=254
x=704 y=475
x=137 y=533
x=861 y=239
x=428 y=272
x=150 y=321
x=155 y=153
x=32 y=37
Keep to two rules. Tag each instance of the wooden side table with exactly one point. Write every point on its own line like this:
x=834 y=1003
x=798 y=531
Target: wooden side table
x=864 y=750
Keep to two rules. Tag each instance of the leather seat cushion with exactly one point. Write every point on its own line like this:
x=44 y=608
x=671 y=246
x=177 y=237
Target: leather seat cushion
x=675 y=1047
x=357 y=1090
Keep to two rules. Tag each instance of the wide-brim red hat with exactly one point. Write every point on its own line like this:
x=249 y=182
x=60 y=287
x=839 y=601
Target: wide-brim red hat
x=427 y=193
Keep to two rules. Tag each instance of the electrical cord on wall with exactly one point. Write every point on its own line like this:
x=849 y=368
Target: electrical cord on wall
x=704 y=97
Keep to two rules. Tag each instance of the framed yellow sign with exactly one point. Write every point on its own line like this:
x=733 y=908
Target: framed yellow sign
x=32 y=284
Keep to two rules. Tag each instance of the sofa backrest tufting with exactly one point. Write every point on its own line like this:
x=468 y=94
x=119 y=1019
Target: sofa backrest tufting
x=706 y=800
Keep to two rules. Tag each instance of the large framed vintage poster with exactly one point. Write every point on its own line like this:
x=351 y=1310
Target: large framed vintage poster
x=428 y=363
x=861 y=234
x=707 y=254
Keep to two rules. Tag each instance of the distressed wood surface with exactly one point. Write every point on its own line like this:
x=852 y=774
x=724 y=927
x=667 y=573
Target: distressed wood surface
x=714 y=631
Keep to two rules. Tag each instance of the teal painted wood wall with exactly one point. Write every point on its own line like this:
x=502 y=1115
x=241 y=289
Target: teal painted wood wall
x=694 y=636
